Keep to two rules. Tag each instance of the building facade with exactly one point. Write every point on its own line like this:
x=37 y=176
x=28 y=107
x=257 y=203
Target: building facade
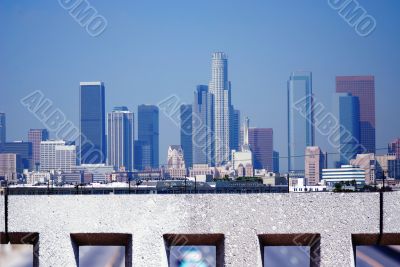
x=347 y=173
x=394 y=148
x=202 y=127
x=65 y=160
x=314 y=163
x=23 y=149
x=362 y=87
x=176 y=162
x=235 y=129
x=349 y=134
x=148 y=132
x=10 y=167
x=186 y=133
x=35 y=136
x=121 y=138
x=262 y=144
x=219 y=87
x=3 y=128
x=142 y=156
x=367 y=163
x=92 y=123
x=56 y=155
x=300 y=118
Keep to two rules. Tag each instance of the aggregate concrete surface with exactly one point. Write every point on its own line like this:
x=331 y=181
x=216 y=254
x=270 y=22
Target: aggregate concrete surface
x=240 y=218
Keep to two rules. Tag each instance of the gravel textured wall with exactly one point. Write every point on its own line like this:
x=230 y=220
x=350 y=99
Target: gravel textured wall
x=240 y=218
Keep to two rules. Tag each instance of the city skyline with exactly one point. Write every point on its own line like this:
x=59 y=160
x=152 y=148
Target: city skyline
x=259 y=83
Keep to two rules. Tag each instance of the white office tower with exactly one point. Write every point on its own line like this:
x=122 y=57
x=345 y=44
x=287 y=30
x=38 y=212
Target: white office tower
x=120 y=138
x=55 y=155
x=219 y=87
x=65 y=158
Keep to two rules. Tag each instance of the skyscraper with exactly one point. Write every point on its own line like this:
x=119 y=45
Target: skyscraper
x=235 y=129
x=220 y=89
x=23 y=149
x=261 y=144
x=349 y=119
x=362 y=87
x=2 y=128
x=92 y=123
x=10 y=166
x=148 y=131
x=121 y=137
x=314 y=163
x=300 y=118
x=186 y=133
x=202 y=131
x=35 y=136
x=56 y=155
x=142 y=156
x=394 y=148
x=275 y=161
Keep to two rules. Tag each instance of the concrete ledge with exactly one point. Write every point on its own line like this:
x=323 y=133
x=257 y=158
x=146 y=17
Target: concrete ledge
x=241 y=219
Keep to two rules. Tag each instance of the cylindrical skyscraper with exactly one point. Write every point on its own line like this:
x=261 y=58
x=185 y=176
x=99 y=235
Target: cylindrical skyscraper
x=220 y=89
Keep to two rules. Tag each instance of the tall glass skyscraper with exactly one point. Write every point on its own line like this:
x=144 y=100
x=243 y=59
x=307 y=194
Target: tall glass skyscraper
x=262 y=145
x=220 y=89
x=202 y=131
x=92 y=123
x=349 y=119
x=235 y=129
x=121 y=137
x=186 y=133
x=362 y=87
x=2 y=128
x=148 y=131
x=300 y=118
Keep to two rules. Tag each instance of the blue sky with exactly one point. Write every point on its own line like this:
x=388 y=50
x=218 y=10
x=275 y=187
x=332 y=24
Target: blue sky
x=152 y=49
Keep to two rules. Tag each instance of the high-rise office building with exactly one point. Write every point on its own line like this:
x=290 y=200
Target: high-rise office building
x=65 y=160
x=142 y=156
x=362 y=87
x=235 y=129
x=57 y=155
x=186 y=133
x=10 y=167
x=92 y=123
x=202 y=131
x=219 y=87
x=261 y=144
x=394 y=148
x=314 y=163
x=300 y=118
x=349 y=133
x=275 y=161
x=148 y=131
x=35 y=136
x=23 y=149
x=121 y=138
x=2 y=128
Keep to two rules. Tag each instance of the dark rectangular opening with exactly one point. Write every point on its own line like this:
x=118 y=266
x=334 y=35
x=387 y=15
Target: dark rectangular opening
x=375 y=249
x=303 y=249
x=100 y=241
x=197 y=248
x=23 y=238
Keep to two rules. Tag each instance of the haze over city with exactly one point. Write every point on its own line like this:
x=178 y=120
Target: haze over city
x=151 y=50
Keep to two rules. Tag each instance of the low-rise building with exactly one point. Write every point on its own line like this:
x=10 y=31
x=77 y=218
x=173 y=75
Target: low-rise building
x=345 y=174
